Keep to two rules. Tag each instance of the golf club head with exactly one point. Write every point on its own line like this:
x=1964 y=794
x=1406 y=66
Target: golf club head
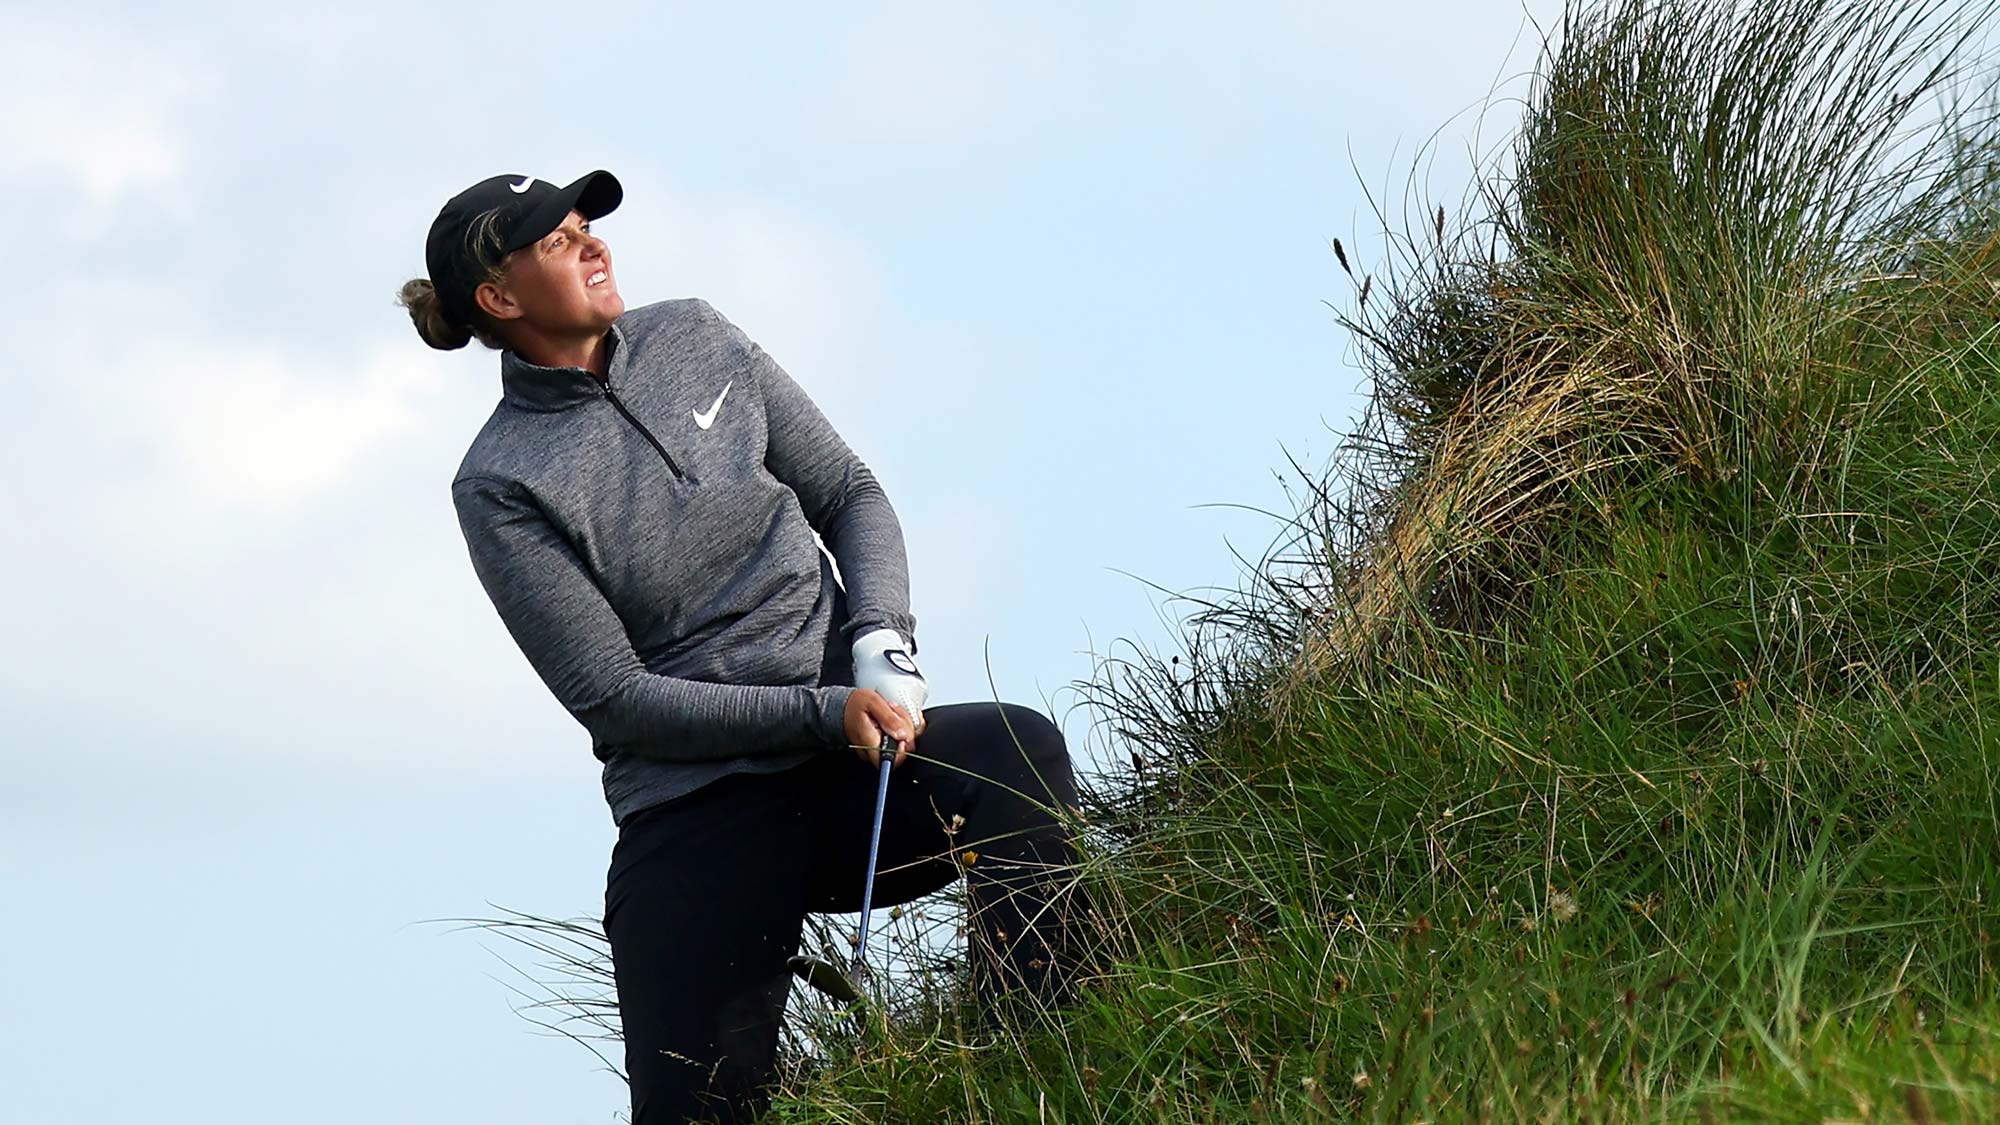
x=826 y=978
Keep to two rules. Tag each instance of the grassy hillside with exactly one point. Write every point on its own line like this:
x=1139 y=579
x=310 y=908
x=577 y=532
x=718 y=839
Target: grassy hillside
x=1616 y=737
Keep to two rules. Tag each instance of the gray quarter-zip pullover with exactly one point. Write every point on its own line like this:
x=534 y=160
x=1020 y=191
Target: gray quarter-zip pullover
x=648 y=542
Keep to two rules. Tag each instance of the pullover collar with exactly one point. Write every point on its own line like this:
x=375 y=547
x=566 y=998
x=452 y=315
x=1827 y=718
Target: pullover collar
x=531 y=386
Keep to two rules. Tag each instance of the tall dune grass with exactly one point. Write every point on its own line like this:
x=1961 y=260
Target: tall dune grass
x=1614 y=735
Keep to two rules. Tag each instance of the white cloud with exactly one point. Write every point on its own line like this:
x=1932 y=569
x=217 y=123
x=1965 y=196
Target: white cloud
x=253 y=426
x=159 y=416
x=89 y=101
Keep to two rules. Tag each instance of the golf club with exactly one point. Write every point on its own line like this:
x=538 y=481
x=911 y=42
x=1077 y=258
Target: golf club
x=874 y=847
x=821 y=974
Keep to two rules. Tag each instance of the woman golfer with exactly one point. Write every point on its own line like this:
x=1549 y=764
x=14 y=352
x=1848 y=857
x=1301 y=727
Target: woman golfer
x=641 y=508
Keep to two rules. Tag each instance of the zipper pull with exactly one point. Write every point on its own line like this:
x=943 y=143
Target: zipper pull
x=615 y=401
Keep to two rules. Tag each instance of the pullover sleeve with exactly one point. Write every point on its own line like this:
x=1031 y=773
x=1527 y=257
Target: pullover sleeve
x=840 y=497
x=578 y=645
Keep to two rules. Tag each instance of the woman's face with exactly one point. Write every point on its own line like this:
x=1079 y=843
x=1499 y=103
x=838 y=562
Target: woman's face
x=560 y=287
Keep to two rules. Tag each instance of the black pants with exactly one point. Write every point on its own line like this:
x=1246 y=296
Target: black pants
x=707 y=894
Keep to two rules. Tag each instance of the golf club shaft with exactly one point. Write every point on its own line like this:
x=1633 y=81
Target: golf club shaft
x=874 y=847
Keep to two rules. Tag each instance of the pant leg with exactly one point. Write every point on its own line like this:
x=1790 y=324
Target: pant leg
x=1003 y=771
x=704 y=902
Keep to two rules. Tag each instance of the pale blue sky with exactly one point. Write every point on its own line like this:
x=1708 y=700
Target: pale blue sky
x=1057 y=275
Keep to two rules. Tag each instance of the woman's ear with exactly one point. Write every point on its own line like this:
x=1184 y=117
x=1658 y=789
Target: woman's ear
x=496 y=302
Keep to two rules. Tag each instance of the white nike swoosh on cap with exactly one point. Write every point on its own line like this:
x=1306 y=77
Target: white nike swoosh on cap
x=522 y=186
x=707 y=420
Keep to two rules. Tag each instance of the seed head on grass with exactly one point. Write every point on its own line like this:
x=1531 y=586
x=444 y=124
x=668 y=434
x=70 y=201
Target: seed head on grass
x=1562 y=907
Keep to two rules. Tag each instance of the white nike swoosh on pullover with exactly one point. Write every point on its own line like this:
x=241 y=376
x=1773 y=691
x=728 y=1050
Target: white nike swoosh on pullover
x=663 y=580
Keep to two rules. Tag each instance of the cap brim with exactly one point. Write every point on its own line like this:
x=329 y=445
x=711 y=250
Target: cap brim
x=594 y=196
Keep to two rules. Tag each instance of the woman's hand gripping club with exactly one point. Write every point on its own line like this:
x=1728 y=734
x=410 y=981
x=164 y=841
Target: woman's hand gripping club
x=883 y=665
x=874 y=724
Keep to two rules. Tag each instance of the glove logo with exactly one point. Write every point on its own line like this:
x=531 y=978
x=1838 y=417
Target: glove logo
x=707 y=420
x=900 y=660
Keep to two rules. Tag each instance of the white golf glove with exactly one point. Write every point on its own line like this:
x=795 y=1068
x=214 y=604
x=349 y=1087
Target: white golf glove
x=883 y=664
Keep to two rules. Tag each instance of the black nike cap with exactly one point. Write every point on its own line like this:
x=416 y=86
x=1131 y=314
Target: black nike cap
x=497 y=216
